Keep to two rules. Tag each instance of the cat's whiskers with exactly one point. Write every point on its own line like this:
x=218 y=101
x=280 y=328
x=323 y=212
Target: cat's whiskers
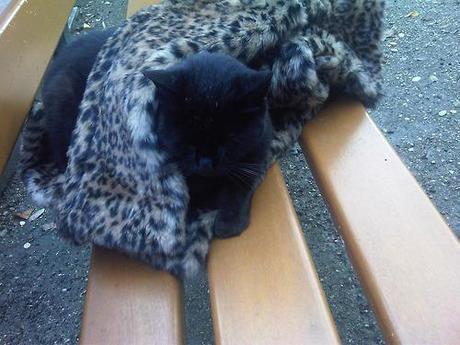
x=254 y=166
x=250 y=170
x=236 y=174
x=238 y=179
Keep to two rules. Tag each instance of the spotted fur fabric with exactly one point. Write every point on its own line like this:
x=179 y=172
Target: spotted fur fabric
x=118 y=190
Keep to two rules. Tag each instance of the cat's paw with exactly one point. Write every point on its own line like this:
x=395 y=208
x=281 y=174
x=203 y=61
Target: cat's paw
x=228 y=226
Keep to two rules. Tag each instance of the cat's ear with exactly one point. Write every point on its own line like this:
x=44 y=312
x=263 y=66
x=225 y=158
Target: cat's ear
x=165 y=79
x=257 y=83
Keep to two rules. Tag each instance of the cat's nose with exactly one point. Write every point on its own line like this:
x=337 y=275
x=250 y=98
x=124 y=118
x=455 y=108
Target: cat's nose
x=205 y=164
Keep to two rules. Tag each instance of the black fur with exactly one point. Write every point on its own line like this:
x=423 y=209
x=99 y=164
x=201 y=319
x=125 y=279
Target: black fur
x=63 y=88
x=213 y=121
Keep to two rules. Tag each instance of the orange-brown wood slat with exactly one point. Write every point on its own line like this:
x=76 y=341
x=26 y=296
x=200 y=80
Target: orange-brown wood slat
x=406 y=256
x=136 y=5
x=263 y=285
x=127 y=302
x=29 y=33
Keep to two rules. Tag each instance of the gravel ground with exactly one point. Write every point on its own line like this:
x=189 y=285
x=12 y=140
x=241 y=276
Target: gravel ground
x=43 y=279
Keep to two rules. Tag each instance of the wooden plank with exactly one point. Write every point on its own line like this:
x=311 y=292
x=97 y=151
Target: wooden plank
x=264 y=288
x=29 y=33
x=407 y=257
x=136 y=5
x=127 y=302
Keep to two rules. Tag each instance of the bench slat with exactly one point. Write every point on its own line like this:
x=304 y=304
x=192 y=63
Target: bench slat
x=127 y=302
x=136 y=5
x=407 y=257
x=264 y=288
x=29 y=33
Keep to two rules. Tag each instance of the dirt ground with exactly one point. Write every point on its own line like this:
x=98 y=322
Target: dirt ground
x=43 y=279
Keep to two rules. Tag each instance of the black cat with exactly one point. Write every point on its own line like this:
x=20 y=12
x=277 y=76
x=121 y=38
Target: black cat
x=214 y=122
x=63 y=88
x=212 y=119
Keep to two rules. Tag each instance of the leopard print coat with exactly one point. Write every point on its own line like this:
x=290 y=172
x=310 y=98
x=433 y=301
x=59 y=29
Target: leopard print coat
x=118 y=190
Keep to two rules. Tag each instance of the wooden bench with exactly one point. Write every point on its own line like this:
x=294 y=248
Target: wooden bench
x=263 y=285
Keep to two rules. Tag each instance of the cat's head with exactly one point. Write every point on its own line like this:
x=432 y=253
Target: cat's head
x=212 y=113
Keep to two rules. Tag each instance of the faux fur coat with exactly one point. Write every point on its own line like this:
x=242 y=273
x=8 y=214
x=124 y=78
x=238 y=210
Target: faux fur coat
x=117 y=190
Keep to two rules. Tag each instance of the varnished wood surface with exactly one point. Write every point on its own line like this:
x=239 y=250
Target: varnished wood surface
x=29 y=33
x=136 y=5
x=406 y=256
x=127 y=302
x=263 y=284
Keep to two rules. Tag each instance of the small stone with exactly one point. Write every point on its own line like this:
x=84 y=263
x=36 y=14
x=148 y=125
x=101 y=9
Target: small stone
x=442 y=113
x=433 y=78
x=388 y=33
x=49 y=226
x=401 y=35
x=453 y=111
x=416 y=79
x=433 y=162
x=22 y=223
x=36 y=214
x=412 y=14
x=410 y=149
x=64 y=290
x=27 y=245
x=86 y=26
x=24 y=214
